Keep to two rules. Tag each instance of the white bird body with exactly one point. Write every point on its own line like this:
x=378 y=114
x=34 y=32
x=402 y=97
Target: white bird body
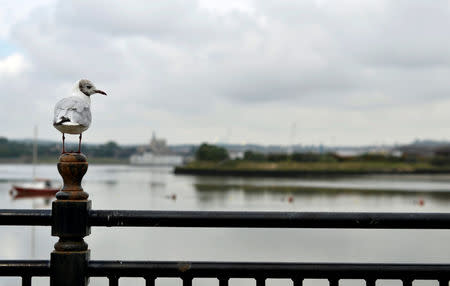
x=72 y=114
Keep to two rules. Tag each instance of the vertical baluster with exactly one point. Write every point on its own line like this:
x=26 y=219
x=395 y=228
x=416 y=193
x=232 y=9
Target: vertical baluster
x=223 y=281
x=298 y=281
x=407 y=282
x=443 y=282
x=260 y=281
x=113 y=281
x=333 y=281
x=149 y=281
x=187 y=281
x=26 y=280
x=370 y=282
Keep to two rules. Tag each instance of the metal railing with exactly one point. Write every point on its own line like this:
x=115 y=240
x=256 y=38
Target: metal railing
x=71 y=219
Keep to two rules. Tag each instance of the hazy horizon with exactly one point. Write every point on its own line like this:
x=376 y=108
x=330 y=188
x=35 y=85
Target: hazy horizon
x=73 y=140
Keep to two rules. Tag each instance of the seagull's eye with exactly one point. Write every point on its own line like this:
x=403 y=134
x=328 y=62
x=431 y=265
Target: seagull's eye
x=89 y=86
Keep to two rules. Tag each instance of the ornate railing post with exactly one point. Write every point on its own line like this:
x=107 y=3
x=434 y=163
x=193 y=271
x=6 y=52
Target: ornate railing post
x=70 y=213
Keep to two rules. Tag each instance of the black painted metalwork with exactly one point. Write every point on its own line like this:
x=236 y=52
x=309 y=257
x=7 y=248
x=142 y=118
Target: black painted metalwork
x=71 y=219
x=113 y=270
x=269 y=219
x=26 y=269
x=70 y=214
x=294 y=271
x=25 y=217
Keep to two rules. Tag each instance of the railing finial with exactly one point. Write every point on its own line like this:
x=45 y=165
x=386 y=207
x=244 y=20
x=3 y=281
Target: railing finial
x=72 y=167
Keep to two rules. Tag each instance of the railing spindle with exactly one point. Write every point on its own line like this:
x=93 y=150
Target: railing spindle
x=26 y=280
x=187 y=281
x=223 y=281
x=407 y=282
x=370 y=282
x=149 y=281
x=260 y=281
x=113 y=281
x=298 y=281
x=443 y=282
x=333 y=281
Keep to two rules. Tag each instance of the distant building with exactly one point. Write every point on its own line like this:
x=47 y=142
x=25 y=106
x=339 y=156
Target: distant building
x=159 y=146
x=396 y=153
x=349 y=153
x=157 y=153
x=236 y=155
x=372 y=150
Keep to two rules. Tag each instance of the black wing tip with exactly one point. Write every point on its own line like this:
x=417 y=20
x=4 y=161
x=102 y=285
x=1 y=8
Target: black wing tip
x=63 y=119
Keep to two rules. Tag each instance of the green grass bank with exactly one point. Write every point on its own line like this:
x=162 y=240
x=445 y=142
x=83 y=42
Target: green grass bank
x=299 y=169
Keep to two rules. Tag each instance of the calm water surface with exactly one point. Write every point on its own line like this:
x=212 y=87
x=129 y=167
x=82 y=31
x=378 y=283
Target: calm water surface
x=145 y=188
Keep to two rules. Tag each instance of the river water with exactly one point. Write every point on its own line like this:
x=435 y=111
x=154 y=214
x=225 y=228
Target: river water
x=145 y=188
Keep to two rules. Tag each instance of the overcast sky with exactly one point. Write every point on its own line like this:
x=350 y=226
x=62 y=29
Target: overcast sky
x=331 y=72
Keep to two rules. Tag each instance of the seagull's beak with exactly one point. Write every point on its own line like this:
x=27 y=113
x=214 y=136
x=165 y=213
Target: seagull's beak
x=100 y=91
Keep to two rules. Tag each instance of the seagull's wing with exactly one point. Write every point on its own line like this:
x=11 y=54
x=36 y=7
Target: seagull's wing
x=72 y=111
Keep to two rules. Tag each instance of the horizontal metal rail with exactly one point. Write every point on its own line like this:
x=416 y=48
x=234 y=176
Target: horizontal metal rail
x=25 y=269
x=25 y=217
x=98 y=268
x=120 y=218
x=224 y=271
x=365 y=220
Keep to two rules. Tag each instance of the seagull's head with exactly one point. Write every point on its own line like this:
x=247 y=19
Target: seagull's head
x=88 y=88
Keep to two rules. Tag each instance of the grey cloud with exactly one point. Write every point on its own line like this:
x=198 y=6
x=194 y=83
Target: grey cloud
x=179 y=60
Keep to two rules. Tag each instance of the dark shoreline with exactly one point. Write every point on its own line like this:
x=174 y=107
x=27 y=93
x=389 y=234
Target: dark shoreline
x=301 y=173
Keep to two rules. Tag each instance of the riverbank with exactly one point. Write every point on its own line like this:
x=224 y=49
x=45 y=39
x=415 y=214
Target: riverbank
x=304 y=169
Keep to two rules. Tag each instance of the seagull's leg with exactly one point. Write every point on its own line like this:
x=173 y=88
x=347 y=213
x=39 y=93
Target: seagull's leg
x=79 y=144
x=64 y=150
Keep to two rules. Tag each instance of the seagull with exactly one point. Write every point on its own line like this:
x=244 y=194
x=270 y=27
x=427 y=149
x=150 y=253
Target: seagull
x=73 y=114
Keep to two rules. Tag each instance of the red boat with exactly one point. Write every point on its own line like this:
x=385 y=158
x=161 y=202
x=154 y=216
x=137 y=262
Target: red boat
x=38 y=188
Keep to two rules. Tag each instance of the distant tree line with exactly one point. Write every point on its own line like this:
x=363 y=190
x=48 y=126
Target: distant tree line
x=11 y=149
x=322 y=157
x=209 y=152
x=280 y=157
x=442 y=157
x=16 y=149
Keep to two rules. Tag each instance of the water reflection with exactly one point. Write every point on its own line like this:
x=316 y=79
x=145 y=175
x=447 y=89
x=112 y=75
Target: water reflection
x=210 y=191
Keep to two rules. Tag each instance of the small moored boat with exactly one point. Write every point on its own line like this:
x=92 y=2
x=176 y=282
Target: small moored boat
x=37 y=188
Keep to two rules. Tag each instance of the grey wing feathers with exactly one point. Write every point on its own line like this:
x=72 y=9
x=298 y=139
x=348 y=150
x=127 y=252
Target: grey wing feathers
x=74 y=109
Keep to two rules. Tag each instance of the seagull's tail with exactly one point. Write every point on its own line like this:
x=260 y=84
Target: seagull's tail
x=62 y=120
